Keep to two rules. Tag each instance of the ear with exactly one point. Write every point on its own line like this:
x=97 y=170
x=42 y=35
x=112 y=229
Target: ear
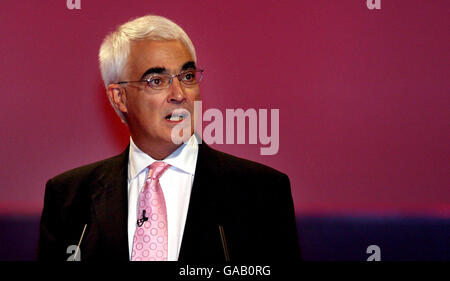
x=118 y=96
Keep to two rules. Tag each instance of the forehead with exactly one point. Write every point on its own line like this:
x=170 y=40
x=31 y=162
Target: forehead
x=144 y=54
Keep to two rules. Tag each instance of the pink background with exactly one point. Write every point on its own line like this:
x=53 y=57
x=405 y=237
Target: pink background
x=363 y=94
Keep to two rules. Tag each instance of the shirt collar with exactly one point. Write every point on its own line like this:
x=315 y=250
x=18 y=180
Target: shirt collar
x=184 y=158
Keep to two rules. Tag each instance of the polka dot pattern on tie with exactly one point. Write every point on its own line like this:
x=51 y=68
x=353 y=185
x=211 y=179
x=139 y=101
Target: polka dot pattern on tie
x=150 y=239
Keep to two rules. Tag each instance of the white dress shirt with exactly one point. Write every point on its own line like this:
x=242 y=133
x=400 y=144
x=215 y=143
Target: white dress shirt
x=176 y=184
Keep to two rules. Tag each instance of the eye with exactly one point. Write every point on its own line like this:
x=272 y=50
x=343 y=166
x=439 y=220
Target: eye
x=155 y=81
x=189 y=76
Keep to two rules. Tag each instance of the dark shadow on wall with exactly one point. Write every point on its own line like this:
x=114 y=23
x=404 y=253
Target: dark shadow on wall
x=322 y=238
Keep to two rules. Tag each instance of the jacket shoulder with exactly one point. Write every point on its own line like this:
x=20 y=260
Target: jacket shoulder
x=85 y=174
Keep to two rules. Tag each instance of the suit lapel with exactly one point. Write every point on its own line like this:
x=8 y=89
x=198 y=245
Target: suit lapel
x=201 y=238
x=110 y=208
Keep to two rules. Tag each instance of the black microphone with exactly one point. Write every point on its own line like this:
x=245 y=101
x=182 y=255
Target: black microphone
x=76 y=256
x=140 y=222
x=224 y=243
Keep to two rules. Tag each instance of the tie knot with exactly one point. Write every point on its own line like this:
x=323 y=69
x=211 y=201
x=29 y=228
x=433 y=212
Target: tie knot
x=156 y=169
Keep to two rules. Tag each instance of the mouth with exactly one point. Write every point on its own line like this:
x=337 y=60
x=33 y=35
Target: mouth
x=177 y=116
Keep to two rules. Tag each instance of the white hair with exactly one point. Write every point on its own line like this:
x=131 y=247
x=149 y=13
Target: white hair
x=115 y=48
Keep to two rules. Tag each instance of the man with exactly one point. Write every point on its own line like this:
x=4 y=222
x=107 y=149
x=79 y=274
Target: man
x=160 y=200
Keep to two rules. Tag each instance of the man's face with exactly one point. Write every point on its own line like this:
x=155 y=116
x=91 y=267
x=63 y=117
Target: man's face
x=148 y=111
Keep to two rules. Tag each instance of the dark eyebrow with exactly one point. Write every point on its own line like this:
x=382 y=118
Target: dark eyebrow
x=159 y=70
x=188 y=65
x=152 y=70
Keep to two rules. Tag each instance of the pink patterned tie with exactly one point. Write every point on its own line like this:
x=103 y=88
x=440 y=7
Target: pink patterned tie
x=150 y=238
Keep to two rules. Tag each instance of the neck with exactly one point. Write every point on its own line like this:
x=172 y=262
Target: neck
x=157 y=151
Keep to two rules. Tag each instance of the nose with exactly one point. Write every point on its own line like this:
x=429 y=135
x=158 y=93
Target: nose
x=176 y=92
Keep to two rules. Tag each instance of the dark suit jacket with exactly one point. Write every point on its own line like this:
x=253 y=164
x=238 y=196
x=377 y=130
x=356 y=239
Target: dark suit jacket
x=251 y=201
